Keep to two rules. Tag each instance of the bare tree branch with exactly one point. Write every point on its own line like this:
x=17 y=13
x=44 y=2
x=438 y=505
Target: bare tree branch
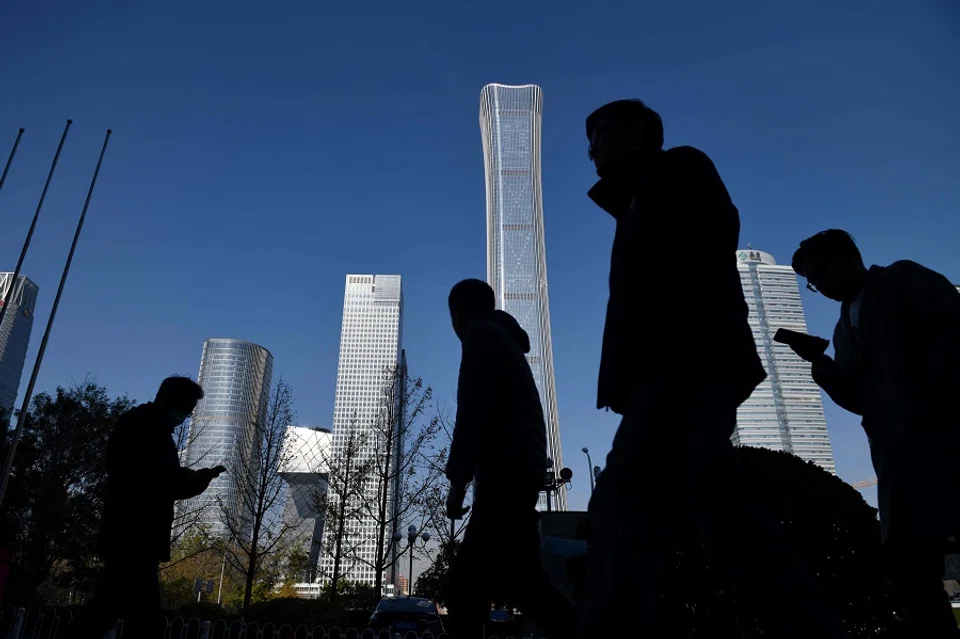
x=254 y=522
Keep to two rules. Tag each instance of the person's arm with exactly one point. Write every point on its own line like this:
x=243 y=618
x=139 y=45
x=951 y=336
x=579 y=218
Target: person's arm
x=842 y=388
x=186 y=482
x=476 y=394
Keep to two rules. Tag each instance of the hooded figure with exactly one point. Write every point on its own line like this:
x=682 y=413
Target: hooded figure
x=499 y=443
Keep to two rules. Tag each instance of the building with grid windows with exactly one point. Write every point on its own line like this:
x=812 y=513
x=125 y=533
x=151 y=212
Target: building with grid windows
x=304 y=465
x=15 y=336
x=510 y=119
x=235 y=376
x=786 y=411
x=371 y=351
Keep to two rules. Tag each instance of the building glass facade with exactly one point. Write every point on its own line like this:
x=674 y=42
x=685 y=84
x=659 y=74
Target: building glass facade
x=786 y=411
x=15 y=336
x=235 y=376
x=510 y=125
x=371 y=339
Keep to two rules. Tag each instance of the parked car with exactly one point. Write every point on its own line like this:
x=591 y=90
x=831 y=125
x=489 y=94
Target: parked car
x=401 y=614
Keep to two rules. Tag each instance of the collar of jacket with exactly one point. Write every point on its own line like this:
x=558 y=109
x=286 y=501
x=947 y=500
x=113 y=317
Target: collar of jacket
x=613 y=193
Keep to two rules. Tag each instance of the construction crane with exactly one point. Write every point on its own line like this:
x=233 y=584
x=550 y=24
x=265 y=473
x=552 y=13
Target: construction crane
x=866 y=483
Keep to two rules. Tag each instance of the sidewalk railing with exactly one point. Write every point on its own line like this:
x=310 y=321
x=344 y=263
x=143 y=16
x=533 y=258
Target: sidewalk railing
x=51 y=623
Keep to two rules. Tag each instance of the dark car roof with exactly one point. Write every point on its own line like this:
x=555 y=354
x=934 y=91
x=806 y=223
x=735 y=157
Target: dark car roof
x=406 y=604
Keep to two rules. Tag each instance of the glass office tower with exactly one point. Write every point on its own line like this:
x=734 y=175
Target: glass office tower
x=235 y=376
x=15 y=336
x=371 y=339
x=510 y=119
x=786 y=411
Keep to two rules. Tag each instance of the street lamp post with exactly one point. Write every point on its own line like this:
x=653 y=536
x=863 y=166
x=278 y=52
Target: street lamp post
x=589 y=467
x=552 y=483
x=412 y=535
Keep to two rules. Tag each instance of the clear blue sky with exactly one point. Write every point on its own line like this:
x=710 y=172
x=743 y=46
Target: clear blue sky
x=262 y=151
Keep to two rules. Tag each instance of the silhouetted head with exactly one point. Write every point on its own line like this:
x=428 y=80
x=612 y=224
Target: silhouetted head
x=621 y=133
x=832 y=264
x=470 y=300
x=178 y=397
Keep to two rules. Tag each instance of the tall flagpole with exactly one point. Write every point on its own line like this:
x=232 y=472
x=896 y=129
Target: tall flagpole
x=33 y=225
x=22 y=417
x=13 y=152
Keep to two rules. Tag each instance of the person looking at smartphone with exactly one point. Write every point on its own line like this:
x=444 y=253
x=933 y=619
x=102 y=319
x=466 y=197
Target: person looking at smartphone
x=897 y=364
x=144 y=480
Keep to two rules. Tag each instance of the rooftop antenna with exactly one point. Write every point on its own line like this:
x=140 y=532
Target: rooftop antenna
x=749 y=246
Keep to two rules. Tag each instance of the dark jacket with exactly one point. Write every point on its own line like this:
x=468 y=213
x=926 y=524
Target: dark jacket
x=144 y=479
x=901 y=372
x=500 y=436
x=676 y=302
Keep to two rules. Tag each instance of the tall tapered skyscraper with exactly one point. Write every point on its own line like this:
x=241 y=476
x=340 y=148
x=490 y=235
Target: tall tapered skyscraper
x=510 y=119
x=235 y=376
x=371 y=349
x=786 y=411
x=15 y=336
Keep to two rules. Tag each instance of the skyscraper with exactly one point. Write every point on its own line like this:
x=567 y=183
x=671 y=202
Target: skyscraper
x=510 y=119
x=235 y=376
x=15 y=336
x=786 y=411
x=305 y=465
x=371 y=339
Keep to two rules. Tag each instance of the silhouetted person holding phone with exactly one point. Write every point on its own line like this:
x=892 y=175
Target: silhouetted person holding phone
x=499 y=443
x=144 y=479
x=677 y=361
x=897 y=364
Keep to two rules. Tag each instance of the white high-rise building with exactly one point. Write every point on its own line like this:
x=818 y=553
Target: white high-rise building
x=786 y=411
x=510 y=124
x=371 y=341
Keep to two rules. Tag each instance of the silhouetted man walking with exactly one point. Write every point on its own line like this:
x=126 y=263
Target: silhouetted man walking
x=678 y=358
x=500 y=443
x=897 y=364
x=144 y=479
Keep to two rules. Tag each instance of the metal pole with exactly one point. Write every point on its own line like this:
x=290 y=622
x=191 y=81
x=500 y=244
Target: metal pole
x=22 y=417
x=410 y=574
x=549 y=489
x=223 y=569
x=33 y=225
x=13 y=152
x=589 y=469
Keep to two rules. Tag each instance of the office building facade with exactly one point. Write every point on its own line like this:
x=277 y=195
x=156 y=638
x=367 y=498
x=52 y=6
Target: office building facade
x=786 y=411
x=305 y=466
x=510 y=125
x=235 y=376
x=15 y=336
x=371 y=339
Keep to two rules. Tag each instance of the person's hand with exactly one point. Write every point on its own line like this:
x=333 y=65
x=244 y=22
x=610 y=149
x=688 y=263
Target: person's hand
x=455 y=507
x=808 y=352
x=214 y=472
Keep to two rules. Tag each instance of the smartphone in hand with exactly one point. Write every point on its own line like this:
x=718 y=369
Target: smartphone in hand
x=806 y=346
